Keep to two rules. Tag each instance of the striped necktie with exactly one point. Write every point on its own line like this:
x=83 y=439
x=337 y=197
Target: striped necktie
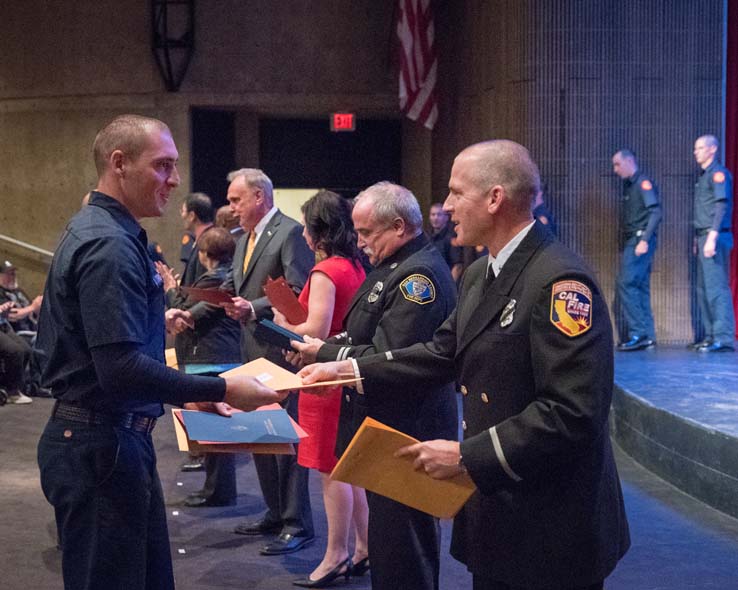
x=251 y=244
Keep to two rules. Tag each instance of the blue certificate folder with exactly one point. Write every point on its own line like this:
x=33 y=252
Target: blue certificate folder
x=266 y=426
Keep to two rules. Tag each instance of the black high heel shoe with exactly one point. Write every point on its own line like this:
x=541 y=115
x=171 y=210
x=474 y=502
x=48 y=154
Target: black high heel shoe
x=342 y=569
x=360 y=567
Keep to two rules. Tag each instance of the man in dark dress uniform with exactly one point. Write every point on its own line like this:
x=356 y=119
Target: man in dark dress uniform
x=640 y=215
x=403 y=300
x=713 y=207
x=102 y=327
x=442 y=236
x=531 y=344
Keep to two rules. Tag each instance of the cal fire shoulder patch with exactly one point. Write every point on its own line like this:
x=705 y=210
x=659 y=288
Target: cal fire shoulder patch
x=185 y=239
x=646 y=185
x=719 y=177
x=418 y=289
x=571 y=307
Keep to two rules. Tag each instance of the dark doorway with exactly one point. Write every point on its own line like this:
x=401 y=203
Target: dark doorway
x=297 y=153
x=213 y=152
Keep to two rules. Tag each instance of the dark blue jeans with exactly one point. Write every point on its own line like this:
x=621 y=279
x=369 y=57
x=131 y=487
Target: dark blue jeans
x=713 y=290
x=634 y=289
x=103 y=485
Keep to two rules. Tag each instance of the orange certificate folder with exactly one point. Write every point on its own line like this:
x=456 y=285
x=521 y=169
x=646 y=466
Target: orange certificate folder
x=192 y=446
x=369 y=463
x=214 y=296
x=283 y=299
x=170 y=355
x=279 y=378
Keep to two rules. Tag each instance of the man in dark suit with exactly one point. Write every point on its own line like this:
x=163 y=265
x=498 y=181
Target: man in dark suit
x=197 y=215
x=403 y=300
x=531 y=344
x=272 y=246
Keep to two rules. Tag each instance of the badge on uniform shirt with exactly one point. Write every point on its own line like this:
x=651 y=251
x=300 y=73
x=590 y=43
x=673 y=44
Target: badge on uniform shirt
x=376 y=290
x=571 y=307
x=646 y=185
x=418 y=289
x=506 y=317
x=718 y=177
x=185 y=239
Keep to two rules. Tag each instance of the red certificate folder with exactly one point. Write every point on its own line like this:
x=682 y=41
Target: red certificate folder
x=214 y=296
x=284 y=300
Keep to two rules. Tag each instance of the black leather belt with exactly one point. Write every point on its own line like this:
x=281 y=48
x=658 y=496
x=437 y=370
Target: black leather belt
x=129 y=420
x=704 y=232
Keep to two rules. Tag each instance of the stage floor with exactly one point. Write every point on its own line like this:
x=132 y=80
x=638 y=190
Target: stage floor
x=696 y=386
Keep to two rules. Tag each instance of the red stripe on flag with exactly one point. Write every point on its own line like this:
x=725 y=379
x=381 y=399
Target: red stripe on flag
x=417 y=61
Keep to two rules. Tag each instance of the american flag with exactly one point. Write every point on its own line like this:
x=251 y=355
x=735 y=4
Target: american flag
x=418 y=63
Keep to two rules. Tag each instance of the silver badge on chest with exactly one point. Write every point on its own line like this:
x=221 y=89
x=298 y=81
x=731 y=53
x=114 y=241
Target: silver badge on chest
x=507 y=314
x=376 y=290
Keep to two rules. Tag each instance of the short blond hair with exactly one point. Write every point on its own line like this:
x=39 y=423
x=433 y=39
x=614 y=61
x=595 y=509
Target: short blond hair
x=127 y=133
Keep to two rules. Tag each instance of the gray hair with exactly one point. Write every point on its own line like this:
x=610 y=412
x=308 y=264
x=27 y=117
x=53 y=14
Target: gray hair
x=257 y=179
x=390 y=201
x=710 y=140
x=508 y=164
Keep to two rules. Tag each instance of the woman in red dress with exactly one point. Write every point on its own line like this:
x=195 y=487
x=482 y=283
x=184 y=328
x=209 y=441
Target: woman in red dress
x=333 y=281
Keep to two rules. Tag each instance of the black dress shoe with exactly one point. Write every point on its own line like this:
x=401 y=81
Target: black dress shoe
x=342 y=569
x=259 y=527
x=286 y=543
x=716 y=346
x=636 y=343
x=360 y=567
x=195 y=465
x=199 y=501
x=700 y=344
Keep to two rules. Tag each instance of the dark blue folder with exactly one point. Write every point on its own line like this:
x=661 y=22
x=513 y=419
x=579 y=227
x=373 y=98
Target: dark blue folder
x=266 y=426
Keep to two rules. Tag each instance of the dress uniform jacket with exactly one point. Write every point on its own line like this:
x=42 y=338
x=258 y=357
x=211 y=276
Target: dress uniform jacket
x=405 y=298
x=533 y=352
x=382 y=316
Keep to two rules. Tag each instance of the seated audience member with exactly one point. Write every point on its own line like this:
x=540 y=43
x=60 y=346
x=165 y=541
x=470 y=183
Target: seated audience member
x=15 y=354
x=209 y=347
x=23 y=319
x=331 y=285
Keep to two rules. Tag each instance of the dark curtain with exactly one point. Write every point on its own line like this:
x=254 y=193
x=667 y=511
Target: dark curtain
x=731 y=133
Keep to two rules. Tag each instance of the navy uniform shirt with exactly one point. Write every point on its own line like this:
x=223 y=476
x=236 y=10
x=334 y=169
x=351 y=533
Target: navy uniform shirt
x=443 y=243
x=102 y=289
x=640 y=201
x=713 y=197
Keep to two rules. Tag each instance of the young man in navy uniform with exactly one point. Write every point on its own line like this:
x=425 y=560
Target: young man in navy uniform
x=531 y=344
x=640 y=215
x=713 y=207
x=102 y=327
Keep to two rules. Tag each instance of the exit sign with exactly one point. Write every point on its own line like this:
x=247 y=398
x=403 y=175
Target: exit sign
x=343 y=122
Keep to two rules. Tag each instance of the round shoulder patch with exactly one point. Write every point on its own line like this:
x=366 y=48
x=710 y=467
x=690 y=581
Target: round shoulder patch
x=646 y=185
x=571 y=307
x=158 y=249
x=418 y=289
x=718 y=177
x=185 y=239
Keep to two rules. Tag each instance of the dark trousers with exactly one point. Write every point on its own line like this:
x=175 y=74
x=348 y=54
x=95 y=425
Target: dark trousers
x=15 y=354
x=284 y=485
x=220 y=478
x=103 y=485
x=483 y=583
x=404 y=546
x=713 y=290
x=634 y=289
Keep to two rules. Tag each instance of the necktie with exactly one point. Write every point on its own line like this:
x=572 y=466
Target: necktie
x=251 y=244
x=490 y=278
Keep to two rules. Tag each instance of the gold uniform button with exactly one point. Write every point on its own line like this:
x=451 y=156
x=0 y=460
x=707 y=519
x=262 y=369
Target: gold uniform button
x=464 y=390
x=67 y=434
x=485 y=398
x=463 y=425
